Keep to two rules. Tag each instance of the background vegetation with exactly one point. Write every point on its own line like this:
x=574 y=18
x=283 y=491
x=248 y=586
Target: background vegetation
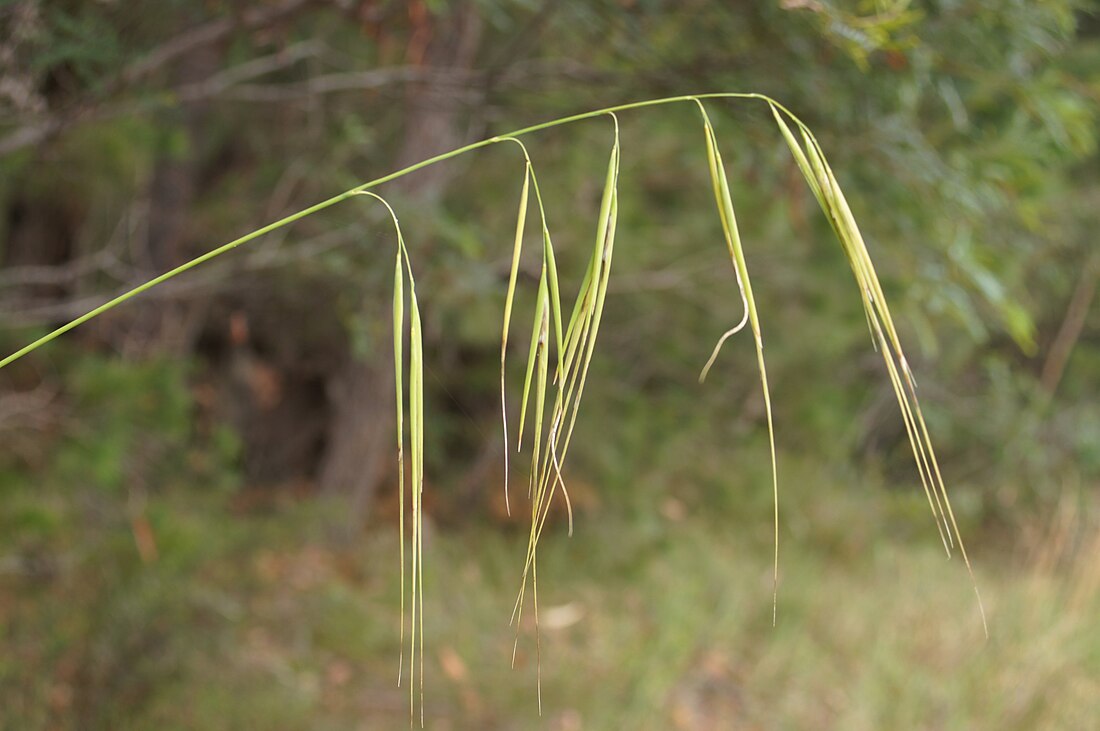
x=198 y=521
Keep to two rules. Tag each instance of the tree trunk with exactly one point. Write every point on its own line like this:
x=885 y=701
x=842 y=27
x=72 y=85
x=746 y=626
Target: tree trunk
x=361 y=436
x=168 y=326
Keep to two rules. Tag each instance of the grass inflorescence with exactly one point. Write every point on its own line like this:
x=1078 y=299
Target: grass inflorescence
x=561 y=351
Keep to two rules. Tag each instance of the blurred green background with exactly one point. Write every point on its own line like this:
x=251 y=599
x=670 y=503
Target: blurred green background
x=198 y=512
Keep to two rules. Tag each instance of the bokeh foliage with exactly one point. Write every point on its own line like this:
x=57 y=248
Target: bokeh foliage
x=965 y=132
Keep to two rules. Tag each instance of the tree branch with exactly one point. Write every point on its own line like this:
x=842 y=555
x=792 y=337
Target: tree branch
x=1070 y=332
x=210 y=32
x=228 y=85
x=207 y=33
x=24 y=313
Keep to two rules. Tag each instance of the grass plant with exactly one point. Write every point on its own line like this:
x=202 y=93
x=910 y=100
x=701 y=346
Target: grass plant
x=561 y=351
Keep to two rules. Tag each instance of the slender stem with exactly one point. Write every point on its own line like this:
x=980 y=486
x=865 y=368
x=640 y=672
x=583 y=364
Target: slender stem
x=317 y=207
